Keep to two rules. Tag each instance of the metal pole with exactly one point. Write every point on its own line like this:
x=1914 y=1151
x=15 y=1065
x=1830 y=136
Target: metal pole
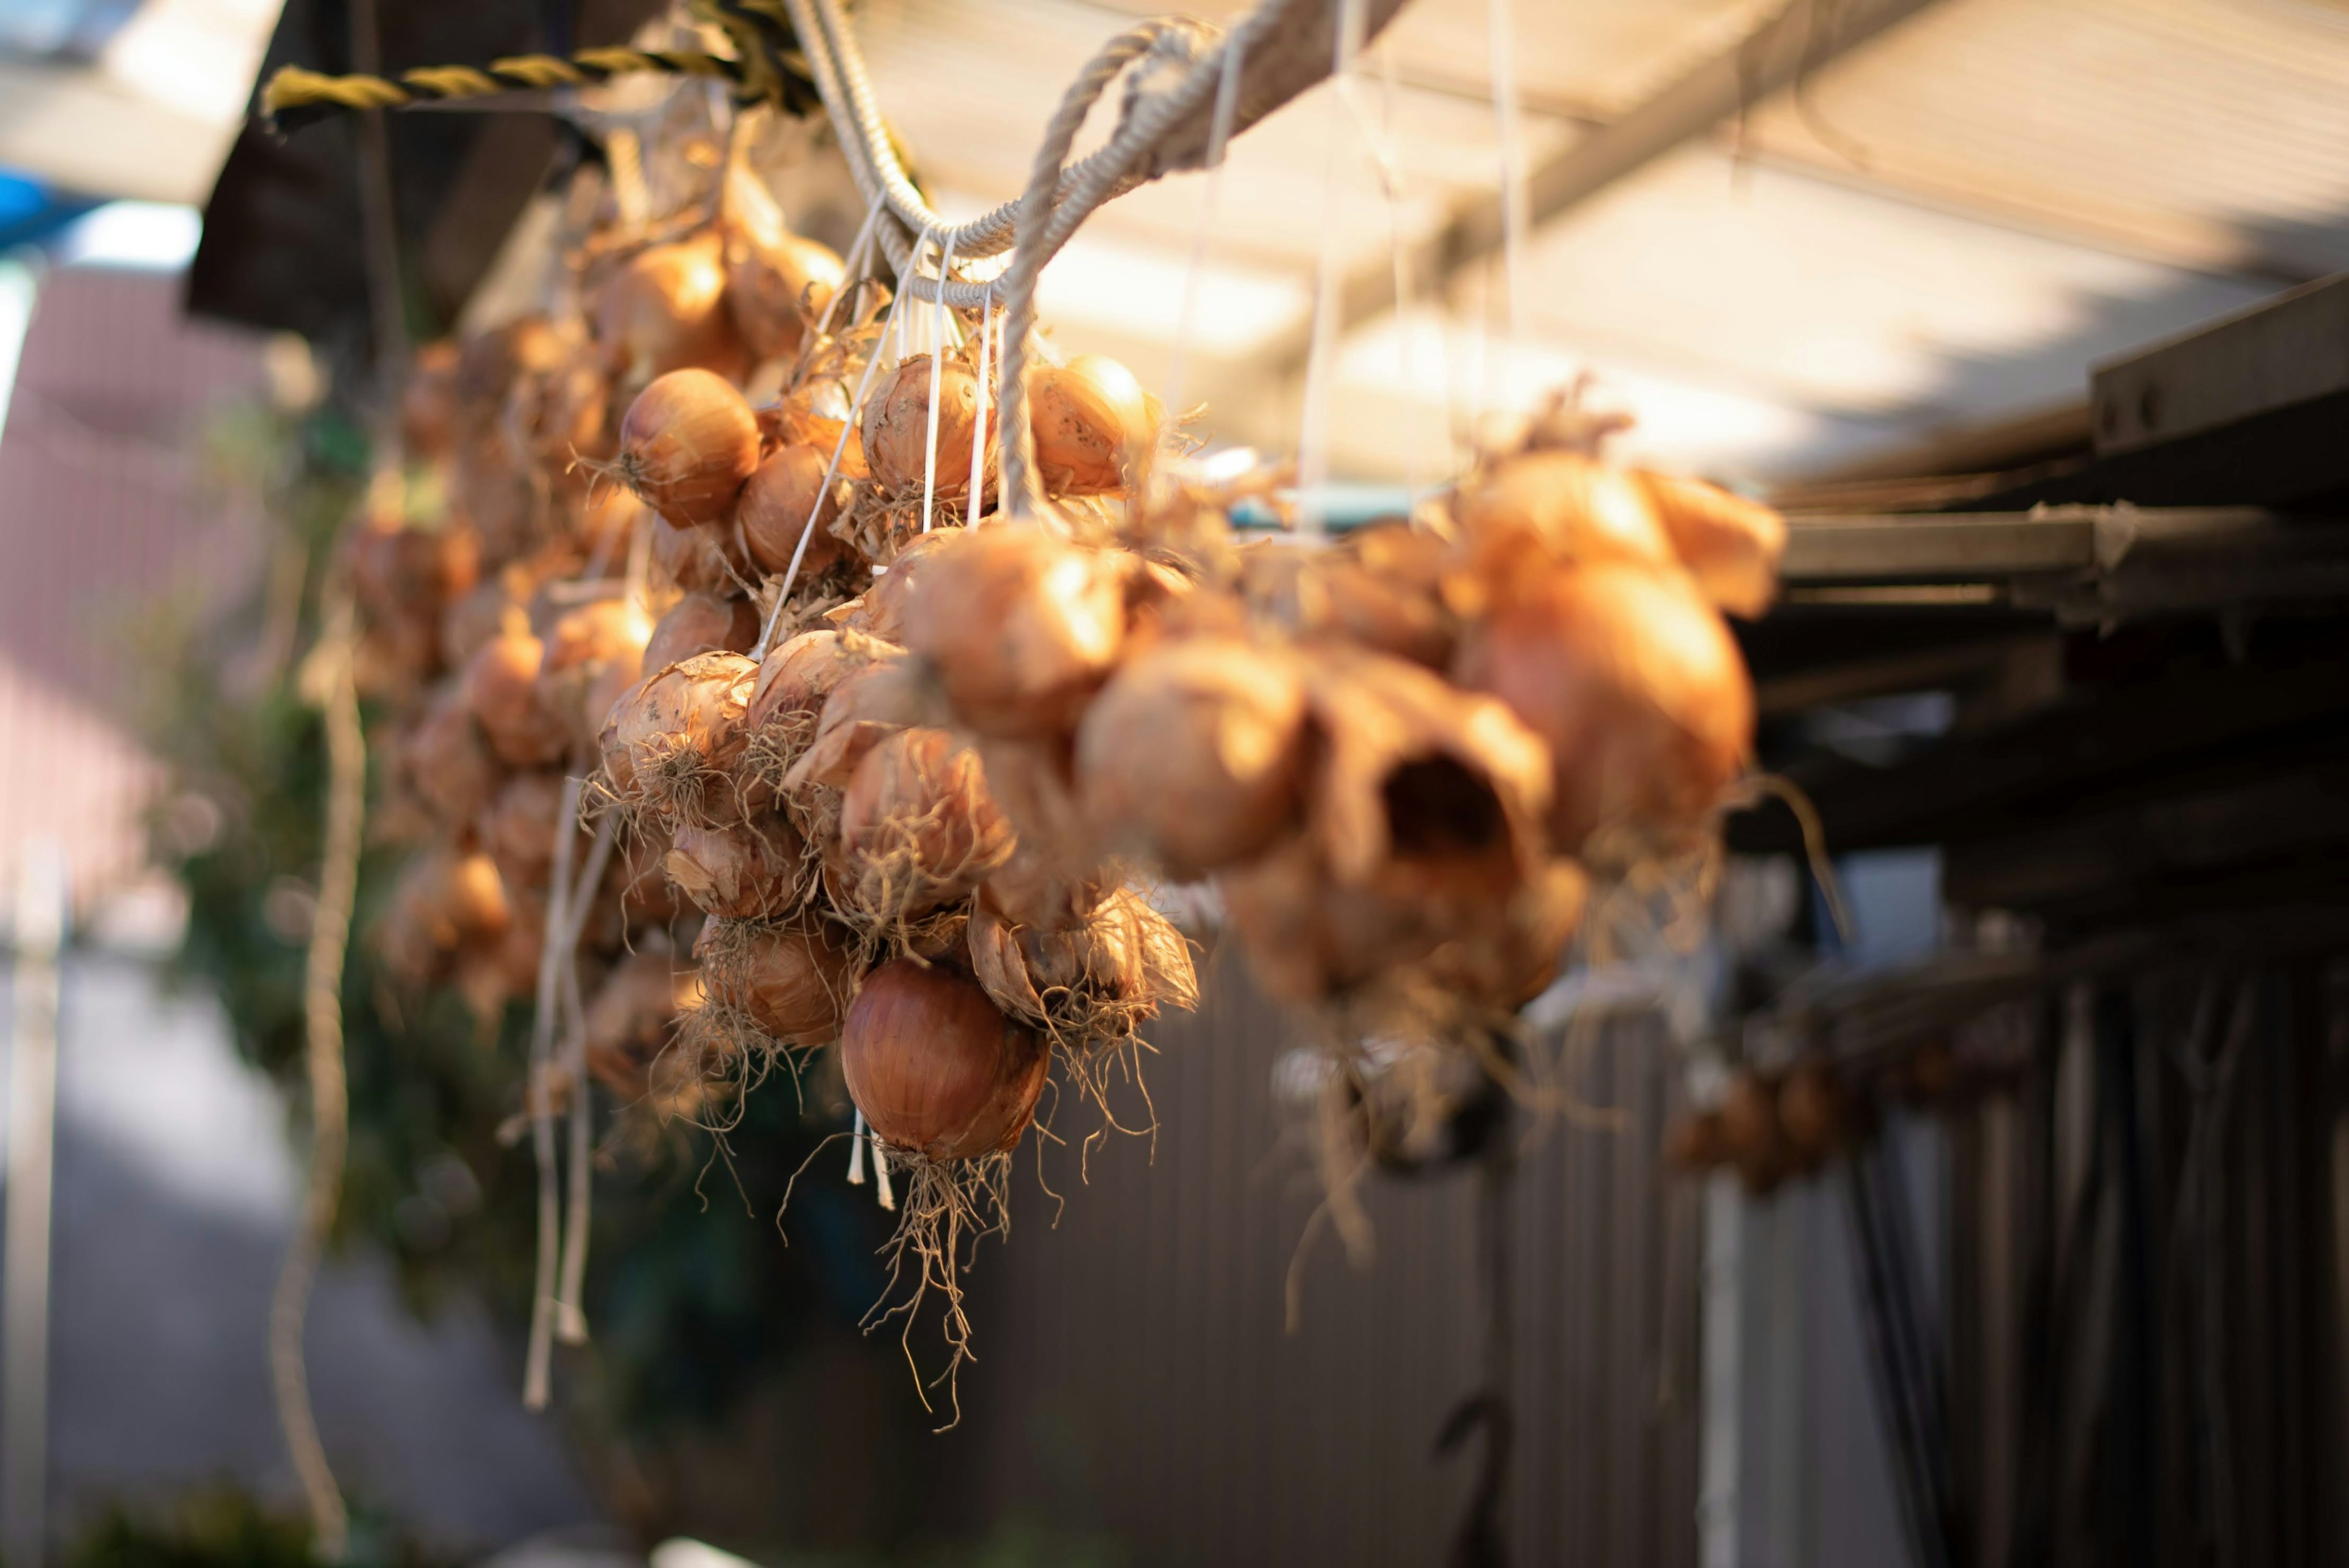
x=24 y=1266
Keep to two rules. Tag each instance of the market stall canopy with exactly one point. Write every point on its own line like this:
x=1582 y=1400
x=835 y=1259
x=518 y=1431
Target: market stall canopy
x=1792 y=237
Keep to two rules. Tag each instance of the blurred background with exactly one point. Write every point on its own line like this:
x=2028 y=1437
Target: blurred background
x=2026 y=312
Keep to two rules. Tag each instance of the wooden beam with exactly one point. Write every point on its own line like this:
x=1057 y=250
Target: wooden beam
x=1799 y=41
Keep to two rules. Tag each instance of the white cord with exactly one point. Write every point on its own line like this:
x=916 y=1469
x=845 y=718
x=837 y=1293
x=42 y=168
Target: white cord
x=1313 y=423
x=1219 y=130
x=856 y=1152
x=830 y=472
x=976 y=491
x=937 y=382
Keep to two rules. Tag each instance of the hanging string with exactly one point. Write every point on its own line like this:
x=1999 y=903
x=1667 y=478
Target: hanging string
x=1313 y=436
x=831 y=471
x=937 y=378
x=538 y=1364
x=1509 y=130
x=975 y=488
x=856 y=1152
x=1219 y=132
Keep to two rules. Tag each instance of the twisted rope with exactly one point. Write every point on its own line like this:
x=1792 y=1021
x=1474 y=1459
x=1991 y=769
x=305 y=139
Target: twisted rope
x=766 y=66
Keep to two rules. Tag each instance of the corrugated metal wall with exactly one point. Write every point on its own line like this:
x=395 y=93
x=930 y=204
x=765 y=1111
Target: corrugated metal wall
x=1134 y=1372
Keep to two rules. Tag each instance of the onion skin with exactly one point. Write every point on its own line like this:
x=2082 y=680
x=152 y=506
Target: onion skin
x=691 y=715
x=1546 y=508
x=866 y=706
x=687 y=445
x=447 y=761
x=1021 y=626
x=1125 y=959
x=518 y=828
x=919 y=795
x=884 y=610
x=1194 y=754
x=794 y=984
x=666 y=309
x=1093 y=425
x=629 y=1019
x=1640 y=691
x=428 y=401
x=936 y=1068
x=797 y=676
x=701 y=624
x=775 y=286
x=500 y=686
x=702 y=559
x=1728 y=544
x=414 y=572
x=743 y=871
x=897 y=428
x=777 y=503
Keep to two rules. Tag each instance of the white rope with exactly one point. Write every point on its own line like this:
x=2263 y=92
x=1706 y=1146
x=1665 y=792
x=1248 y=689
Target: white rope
x=830 y=472
x=1219 y=132
x=856 y=1152
x=537 y=1374
x=937 y=381
x=1313 y=432
x=883 y=1192
x=977 y=503
x=1511 y=132
x=860 y=253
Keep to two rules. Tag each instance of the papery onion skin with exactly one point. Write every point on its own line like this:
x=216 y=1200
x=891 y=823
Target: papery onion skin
x=776 y=285
x=1093 y=425
x=701 y=624
x=1545 y=509
x=703 y=560
x=676 y=732
x=500 y=686
x=1728 y=544
x=1640 y=691
x=797 y=675
x=630 y=1016
x=777 y=503
x=936 y=1068
x=518 y=828
x=449 y=762
x=1194 y=754
x=884 y=608
x=664 y=310
x=1022 y=627
x=919 y=797
x=793 y=982
x=687 y=445
x=751 y=869
x=895 y=427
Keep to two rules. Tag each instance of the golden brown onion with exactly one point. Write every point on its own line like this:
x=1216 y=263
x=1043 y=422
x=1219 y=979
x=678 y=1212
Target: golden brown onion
x=501 y=684
x=744 y=871
x=703 y=560
x=701 y=624
x=1728 y=544
x=917 y=825
x=1022 y=627
x=518 y=829
x=897 y=428
x=630 y=1016
x=934 y=1067
x=1094 y=425
x=776 y=285
x=448 y=761
x=777 y=504
x=687 y=444
x=1546 y=509
x=866 y=705
x=671 y=739
x=666 y=309
x=792 y=983
x=1193 y=754
x=1640 y=691
x=885 y=607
